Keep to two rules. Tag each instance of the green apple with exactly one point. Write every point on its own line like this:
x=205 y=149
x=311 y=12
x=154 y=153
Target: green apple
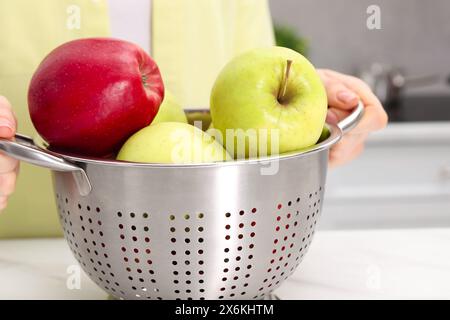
x=172 y=142
x=170 y=110
x=269 y=88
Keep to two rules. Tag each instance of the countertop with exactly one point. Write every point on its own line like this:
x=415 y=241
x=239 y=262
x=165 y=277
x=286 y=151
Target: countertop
x=363 y=264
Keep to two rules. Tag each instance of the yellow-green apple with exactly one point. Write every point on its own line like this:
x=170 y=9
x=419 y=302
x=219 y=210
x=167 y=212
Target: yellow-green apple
x=172 y=142
x=274 y=89
x=170 y=110
x=89 y=95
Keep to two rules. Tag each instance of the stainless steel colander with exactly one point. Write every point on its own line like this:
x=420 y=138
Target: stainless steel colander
x=200 y=231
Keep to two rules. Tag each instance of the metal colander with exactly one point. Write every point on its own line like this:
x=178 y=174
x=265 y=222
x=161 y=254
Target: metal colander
x=200 y=231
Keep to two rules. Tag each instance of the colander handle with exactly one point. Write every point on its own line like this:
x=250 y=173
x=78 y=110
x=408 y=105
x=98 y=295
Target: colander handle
x=23 y=148
x=353 y=119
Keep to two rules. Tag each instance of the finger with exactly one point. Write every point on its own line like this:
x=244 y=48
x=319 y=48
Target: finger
x=337 y=160
x=375 y=117
x=334 y=115
x=339 y=95
x=8 y=183
x=8 y=122
x=7 y=164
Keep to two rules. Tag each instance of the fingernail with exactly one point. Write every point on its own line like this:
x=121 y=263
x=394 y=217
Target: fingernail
x=346 y=96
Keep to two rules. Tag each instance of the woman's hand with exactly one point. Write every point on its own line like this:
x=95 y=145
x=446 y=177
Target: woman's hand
x=8 y=166
x=343 y=93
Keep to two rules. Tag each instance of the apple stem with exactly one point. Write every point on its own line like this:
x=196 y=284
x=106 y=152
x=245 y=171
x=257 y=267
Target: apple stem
x=283 y=87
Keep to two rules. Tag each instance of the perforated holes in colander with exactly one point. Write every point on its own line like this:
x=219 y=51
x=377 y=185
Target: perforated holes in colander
x=289 y=246
x=66 y=224
x=187 y=236
x=136 y=249
x=309 y=224
x=82 y=226
x=237 y=263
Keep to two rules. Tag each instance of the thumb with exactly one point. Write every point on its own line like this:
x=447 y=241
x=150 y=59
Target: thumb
x=7 y=119
x=340 y=97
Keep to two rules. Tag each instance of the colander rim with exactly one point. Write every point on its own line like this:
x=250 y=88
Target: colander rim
x=335 y=135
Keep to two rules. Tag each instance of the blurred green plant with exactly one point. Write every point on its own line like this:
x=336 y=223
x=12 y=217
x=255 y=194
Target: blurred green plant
x=286 y=36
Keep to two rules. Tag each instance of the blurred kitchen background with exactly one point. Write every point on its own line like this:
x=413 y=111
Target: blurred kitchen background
x=403 y=178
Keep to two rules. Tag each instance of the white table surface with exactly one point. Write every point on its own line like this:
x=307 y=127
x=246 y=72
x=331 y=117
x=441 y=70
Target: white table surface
x=365 y=264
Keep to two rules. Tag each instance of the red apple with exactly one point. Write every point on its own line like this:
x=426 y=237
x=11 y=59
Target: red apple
x=89 y=95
